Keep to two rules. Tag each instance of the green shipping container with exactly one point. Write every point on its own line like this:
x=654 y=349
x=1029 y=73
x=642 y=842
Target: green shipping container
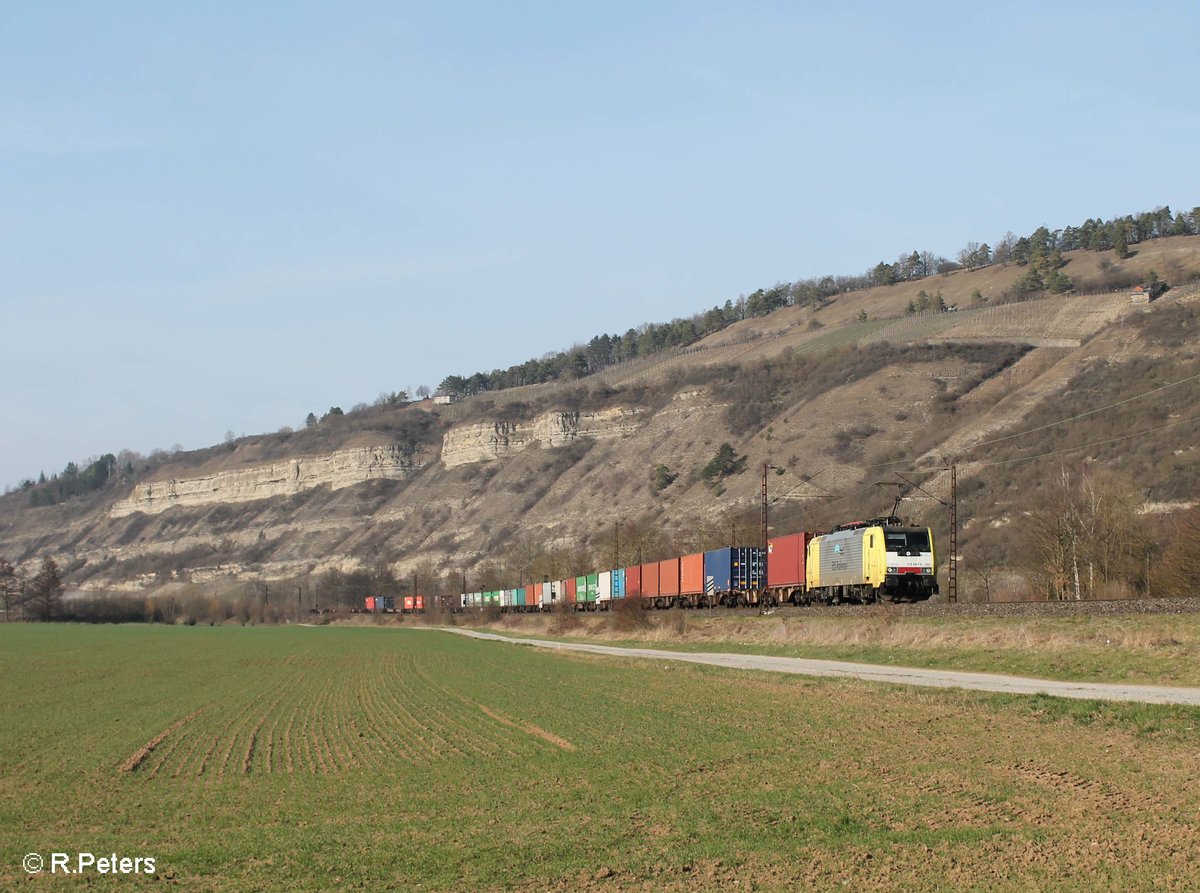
x=586 y=588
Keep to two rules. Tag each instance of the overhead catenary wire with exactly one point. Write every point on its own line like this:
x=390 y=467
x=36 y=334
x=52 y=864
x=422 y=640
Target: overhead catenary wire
x=1084 y=446
x=932 y=469
x=1084 y=415
x=1062 y=421
x=945 y=464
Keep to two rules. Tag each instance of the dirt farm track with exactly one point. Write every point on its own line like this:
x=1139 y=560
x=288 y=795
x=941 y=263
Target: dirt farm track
x=1145 y=694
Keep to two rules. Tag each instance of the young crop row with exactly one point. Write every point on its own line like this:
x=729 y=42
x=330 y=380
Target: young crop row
x=347 y=714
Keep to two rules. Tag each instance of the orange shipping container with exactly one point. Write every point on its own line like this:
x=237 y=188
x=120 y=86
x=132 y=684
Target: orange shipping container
x=668 y=576
x=691 y=574
x=569 y=588
x=785 y=559
x=650 y=579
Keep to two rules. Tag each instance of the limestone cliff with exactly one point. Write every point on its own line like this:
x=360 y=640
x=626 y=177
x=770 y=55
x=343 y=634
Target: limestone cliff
x=343 y=468
x=464 y=444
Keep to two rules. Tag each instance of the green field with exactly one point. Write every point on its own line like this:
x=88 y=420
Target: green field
x=341 y=758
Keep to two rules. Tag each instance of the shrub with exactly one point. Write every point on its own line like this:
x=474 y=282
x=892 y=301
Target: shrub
x=661 y=478
x=628 y=615
x=724 y=464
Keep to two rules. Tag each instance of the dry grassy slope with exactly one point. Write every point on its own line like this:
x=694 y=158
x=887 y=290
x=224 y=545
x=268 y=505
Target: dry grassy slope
x=571 y=495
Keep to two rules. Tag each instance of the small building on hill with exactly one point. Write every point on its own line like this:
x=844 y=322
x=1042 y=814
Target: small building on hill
x=1146 y=292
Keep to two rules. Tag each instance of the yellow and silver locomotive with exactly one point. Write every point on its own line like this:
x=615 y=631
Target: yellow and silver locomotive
x=870 y=561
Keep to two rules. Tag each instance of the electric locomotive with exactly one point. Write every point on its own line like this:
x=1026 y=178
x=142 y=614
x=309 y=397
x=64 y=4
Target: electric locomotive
x=870 y=561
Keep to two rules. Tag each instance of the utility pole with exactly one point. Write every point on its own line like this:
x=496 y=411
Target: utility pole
x=763 y=515
x=764 y=534
x=765 y=531
x=616 y=544
x=298 y=606
x=952 y=582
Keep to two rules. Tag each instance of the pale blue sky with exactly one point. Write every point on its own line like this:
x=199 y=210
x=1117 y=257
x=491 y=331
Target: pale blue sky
x=221 y=216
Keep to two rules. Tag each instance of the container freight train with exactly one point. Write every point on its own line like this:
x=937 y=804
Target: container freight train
x=860 y=562
x=386 y=604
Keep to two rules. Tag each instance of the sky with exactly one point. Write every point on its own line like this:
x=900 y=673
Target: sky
x=221 y=216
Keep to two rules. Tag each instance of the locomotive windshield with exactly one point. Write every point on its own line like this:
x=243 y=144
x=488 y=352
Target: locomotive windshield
x=907 y=542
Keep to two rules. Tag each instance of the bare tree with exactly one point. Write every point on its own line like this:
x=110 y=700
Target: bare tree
x=1181 y=565
x=642 y=541
x=46 y=591
x=983 y=566
x=1087 y=540
x=1004 y=248
x=9 y=588
x=966 y=256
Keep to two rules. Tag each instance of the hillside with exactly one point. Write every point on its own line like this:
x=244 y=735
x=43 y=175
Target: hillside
x=533 y=481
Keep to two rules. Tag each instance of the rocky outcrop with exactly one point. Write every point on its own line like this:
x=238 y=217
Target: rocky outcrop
x=464 y=444
x=343 y=468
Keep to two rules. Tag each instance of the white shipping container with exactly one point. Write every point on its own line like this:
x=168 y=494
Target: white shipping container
x=604 y=587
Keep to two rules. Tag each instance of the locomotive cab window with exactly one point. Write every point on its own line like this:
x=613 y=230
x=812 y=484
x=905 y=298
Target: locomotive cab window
x=907 y=542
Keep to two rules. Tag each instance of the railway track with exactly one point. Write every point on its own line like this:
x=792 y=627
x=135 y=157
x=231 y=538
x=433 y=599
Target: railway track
x=1097 y=607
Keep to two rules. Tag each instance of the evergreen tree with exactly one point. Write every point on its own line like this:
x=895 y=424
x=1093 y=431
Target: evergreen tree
x=1120 y=246
x=1058 y=282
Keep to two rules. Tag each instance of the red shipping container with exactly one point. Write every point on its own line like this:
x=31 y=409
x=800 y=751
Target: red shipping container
x=633 y=581
x=668 y=576
x=370 y=603
x=691 y=574
x=569 y=588
x=532 y=591
x=419 y=602
x=650 y=579
x=785 y=559
x=408 y=602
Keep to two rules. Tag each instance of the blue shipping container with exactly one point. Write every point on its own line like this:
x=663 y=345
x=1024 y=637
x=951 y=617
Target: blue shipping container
x=734 y=570
x=618 y=583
